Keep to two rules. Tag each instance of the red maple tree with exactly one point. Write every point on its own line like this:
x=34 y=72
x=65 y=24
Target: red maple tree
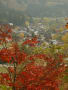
x=24 y=74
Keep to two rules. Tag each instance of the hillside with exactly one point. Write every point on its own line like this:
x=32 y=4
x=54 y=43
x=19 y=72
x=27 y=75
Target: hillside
x=16 y=10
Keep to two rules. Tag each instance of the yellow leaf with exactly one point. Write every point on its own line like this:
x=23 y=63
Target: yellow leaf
x=21 y=34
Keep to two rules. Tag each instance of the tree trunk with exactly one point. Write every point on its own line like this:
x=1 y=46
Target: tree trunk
x=13 y=88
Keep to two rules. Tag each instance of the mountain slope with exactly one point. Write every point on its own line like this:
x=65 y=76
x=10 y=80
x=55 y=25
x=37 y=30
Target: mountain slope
x=15 y=10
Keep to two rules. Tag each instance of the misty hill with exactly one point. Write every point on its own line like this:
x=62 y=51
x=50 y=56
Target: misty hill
x=16 y=10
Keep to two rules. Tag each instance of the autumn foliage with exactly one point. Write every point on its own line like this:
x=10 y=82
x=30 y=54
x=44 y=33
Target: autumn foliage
x=5 y=33
x=23 y=73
